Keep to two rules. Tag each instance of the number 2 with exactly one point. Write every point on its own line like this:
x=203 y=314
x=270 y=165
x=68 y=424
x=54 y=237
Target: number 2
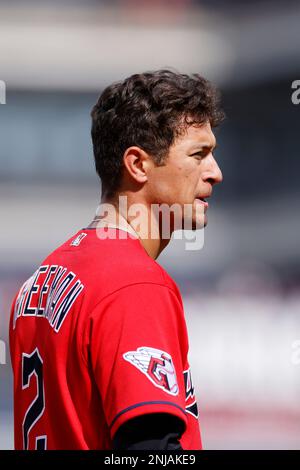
x=33 y=364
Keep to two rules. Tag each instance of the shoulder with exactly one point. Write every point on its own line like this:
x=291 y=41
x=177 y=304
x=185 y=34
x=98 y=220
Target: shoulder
x=107 y=265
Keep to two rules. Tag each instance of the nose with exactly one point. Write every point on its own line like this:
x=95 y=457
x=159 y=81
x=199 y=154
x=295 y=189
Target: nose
x=214 y=173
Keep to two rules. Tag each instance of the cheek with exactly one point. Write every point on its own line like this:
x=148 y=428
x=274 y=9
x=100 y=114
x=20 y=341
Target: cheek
x=186 y=173
x=174 y=183
x=183 y=181
x=191 y=178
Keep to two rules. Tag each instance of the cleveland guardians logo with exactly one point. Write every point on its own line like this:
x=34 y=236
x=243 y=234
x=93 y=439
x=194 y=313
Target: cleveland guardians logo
x=157 y=366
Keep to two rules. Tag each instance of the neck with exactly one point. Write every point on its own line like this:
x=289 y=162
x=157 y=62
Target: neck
x=136 y=216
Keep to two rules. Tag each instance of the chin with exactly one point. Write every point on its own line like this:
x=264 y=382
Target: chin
x=195 y=224
x=199 y=226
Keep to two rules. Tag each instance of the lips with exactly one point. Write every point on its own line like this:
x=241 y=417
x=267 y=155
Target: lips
x=203 y=201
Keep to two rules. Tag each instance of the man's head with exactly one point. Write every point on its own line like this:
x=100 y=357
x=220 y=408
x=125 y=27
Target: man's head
x=153 y=133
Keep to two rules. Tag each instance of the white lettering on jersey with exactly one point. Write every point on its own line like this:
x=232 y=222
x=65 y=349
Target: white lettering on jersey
x=49 y=293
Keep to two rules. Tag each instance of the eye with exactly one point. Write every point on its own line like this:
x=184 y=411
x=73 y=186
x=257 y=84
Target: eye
x=199 y=154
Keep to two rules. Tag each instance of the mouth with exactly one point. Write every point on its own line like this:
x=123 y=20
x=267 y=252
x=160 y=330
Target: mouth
x=202 y=200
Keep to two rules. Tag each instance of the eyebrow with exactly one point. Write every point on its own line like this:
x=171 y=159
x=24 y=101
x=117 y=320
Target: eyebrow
x=204 y=146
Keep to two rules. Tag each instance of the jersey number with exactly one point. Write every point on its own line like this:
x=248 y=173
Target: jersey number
x=33 y=364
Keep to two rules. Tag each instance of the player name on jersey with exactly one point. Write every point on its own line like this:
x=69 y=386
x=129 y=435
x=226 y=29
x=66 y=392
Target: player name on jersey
x=49 y=293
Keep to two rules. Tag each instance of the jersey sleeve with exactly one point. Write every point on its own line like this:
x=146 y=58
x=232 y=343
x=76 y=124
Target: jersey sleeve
x=136 y=342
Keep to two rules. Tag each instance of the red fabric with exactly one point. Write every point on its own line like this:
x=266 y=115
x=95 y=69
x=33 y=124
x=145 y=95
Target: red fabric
x=104 y=324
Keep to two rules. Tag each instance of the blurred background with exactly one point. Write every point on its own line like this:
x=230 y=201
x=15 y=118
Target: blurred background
x=242 y=290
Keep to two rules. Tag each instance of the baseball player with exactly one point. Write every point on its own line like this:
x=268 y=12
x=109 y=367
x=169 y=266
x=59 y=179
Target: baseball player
x=98 y=339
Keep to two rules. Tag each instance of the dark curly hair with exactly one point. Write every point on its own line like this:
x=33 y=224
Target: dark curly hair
x=148 y=110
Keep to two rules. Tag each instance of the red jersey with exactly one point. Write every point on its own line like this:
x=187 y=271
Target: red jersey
x=97 y=337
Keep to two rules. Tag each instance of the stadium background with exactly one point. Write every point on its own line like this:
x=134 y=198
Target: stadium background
x=242 y=291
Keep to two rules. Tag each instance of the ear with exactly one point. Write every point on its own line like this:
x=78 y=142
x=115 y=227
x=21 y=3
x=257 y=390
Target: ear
x=137 y=162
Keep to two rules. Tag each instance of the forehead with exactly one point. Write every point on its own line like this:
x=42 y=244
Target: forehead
x=197 y=135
